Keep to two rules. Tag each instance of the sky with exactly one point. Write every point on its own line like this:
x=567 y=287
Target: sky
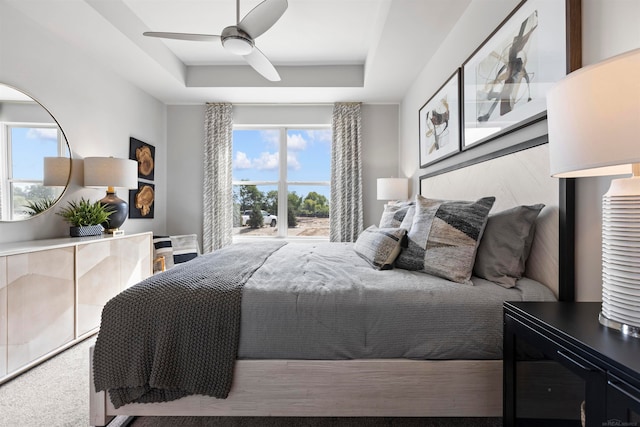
x=29 y=146
x=256 y=157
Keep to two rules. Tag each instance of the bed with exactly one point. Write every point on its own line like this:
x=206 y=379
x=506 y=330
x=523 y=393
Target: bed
x=387 y=360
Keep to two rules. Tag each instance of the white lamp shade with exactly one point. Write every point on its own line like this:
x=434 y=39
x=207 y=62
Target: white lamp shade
x=593 y=116
x=110 y=172
x=56 y=171
x=393 y=188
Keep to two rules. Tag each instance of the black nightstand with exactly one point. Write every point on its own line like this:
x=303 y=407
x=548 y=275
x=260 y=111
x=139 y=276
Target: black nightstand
x=557 y=356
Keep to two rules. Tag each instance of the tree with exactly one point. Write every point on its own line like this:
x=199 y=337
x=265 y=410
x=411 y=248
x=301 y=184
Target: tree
x=293 y=207
x=256 y=220
x=271 y=202
x=249 y=196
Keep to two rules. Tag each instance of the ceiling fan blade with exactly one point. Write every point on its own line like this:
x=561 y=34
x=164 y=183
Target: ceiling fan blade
x=183 y=36
x=262 y=65
x=262 y=17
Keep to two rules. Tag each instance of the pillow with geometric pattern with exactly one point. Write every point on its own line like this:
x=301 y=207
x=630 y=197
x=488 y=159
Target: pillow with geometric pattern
x=396 y=215
x=380 y=246
x=444 y=237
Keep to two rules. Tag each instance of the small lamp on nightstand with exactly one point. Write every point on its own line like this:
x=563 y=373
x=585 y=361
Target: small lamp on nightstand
x=594 y=130
x=392 y=189
x=111 y=172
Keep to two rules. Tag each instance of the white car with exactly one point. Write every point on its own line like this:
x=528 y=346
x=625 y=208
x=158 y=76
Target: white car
x=269 y=219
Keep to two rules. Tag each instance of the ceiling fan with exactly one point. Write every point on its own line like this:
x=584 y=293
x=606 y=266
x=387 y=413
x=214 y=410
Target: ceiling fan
x=239 y=39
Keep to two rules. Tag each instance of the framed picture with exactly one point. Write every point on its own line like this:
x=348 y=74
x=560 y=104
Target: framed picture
x=506 y=79
x=141 y=201
x=439 y=123
x=145 y=155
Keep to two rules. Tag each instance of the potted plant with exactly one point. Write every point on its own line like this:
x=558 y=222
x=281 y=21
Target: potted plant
x=85 y=217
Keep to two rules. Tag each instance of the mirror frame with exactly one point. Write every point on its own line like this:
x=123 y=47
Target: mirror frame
x=7 y=150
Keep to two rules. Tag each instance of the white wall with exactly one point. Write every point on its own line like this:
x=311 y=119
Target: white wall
x=96 y=108
x=609 y=27
x=185 y=136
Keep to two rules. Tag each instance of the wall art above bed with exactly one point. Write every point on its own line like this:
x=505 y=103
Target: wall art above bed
x=506 y=79
x=503 y=85
x=439 y=123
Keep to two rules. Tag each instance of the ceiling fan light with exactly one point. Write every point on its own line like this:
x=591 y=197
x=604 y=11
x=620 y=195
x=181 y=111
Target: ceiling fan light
x=237 y=46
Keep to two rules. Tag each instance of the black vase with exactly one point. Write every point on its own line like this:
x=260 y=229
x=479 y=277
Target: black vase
x=119 y=209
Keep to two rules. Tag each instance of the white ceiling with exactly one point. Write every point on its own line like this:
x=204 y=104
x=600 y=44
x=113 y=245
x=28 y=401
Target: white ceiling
x=324 y=50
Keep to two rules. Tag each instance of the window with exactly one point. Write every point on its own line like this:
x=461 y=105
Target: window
x=281 y=196
x=24 y=147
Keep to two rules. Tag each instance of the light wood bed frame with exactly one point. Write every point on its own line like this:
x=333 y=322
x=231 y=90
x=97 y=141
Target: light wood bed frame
x=393 y=387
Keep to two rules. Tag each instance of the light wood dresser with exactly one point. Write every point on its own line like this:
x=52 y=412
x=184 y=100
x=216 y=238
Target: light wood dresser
x=52 y=292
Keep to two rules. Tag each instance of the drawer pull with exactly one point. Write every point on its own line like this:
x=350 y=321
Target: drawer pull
x=583 y=364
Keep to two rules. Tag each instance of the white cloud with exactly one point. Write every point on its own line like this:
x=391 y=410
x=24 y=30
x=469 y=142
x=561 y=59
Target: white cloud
x=296 y=142
x=271 y=136
x=43 y=133
x=292 y=161
x=241 y=161
x=321 y=135
x=266 y=161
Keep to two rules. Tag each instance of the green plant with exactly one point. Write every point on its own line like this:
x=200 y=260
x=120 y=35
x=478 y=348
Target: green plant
x=256 y=220
x=37 y=206
x=84 y=212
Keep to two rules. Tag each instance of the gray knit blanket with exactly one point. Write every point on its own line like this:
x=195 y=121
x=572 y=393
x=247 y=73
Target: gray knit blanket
x=177 y=333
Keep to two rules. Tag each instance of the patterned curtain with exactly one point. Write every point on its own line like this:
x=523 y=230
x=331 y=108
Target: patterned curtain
x=217 y=191
x=345 y=214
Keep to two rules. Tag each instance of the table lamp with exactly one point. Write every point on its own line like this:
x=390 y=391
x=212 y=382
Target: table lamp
x=392 y=189
x=112 y=172
x=56 y=171
x=594 y=130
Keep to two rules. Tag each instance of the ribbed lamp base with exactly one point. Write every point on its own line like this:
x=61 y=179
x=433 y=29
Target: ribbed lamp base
x=621 y=258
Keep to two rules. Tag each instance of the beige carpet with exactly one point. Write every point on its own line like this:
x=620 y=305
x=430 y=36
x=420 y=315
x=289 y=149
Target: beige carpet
x=56 y=394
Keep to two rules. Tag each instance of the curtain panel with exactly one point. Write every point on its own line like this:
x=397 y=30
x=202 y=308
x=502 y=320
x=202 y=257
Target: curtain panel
x=217 y=188
x=346 y=216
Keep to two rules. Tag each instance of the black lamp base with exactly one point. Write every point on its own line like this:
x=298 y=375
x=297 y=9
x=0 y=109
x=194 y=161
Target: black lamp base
x=120 y=210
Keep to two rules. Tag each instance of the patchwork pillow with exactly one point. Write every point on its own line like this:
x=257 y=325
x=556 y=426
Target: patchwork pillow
x=505 y=245
x=162 y=248
x=444 y=237
x=185 y=248
x=399 y=214
x=380 y=246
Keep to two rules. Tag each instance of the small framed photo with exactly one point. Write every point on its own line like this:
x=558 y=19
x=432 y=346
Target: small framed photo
x=439 y=123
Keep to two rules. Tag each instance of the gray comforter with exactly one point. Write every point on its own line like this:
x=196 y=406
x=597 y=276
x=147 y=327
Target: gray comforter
x=176 y=333
x=322 y=301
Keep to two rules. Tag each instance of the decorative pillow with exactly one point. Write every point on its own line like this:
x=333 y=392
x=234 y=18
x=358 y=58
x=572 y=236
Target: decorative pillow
x=380 y=246
x=505 y=245
x=162 y=248
x=185 y=248
x=444 y=236
x=397 y=214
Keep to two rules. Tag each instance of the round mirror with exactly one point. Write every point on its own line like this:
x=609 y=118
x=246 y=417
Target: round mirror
x=35 y=159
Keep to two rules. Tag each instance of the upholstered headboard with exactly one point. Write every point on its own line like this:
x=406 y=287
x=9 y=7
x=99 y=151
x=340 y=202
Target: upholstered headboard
x=520 y=178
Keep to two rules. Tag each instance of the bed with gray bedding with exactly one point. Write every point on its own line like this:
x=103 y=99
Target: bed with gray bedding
x=323 y=301
x=179 y=332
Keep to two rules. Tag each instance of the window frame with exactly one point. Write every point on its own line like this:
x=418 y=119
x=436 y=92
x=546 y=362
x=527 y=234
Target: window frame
x=282 y=184
x=6 y=160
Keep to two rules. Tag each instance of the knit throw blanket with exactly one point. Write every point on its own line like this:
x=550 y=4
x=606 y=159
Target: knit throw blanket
x=177 y=333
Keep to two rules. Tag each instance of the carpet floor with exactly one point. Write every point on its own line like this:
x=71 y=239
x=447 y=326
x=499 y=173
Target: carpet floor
x=55 y=394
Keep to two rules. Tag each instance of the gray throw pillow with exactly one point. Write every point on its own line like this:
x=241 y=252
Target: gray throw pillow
x=380 y=246
x=444 y=236
x=505 y=245
x=398 y=215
